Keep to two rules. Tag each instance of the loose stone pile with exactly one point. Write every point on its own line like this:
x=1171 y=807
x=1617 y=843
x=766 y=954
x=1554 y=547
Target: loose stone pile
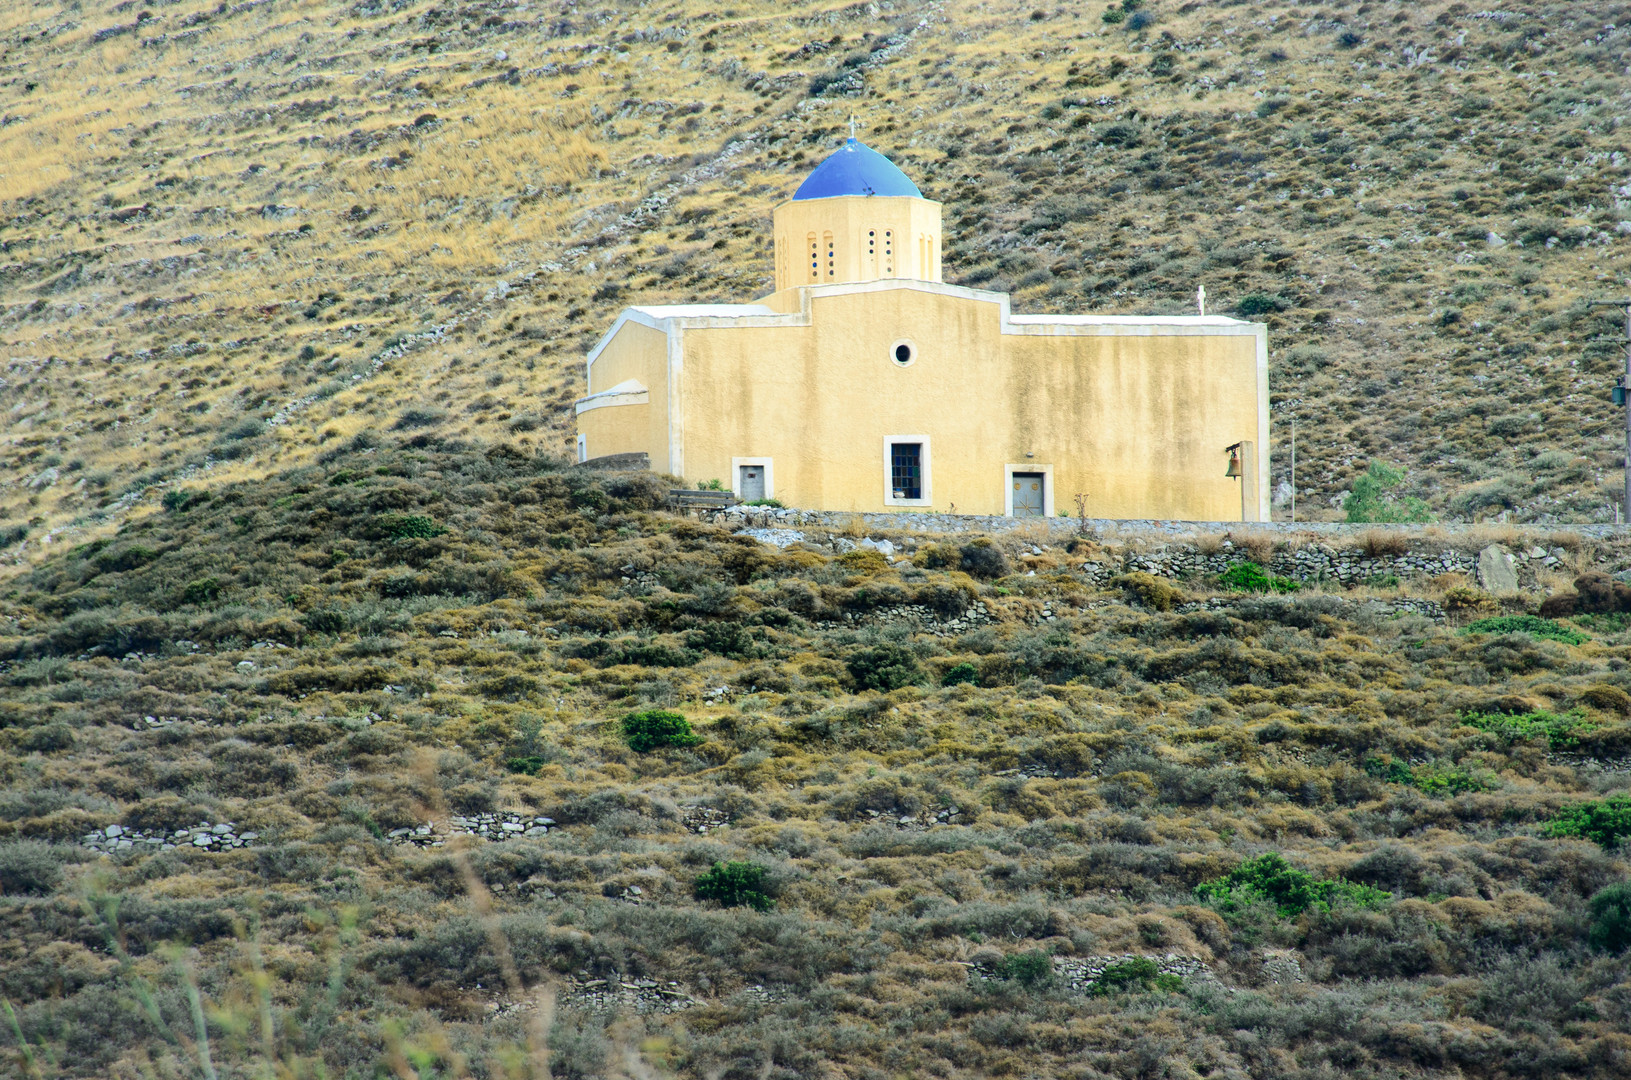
x=117 y=839
x=972 y=617
x=495 y=827
x=923 y=819
x=1081 y=973
x=148 y=723
x=703 y=819
x=639 y=995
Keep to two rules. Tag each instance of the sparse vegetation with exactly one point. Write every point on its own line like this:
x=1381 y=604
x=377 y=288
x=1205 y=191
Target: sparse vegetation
x=1138 y=974
x=905 y=795
x=1372 y=500
x=1534 y=626
x=1031 y=968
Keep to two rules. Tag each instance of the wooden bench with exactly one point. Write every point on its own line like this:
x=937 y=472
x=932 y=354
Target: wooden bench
x=685 y=501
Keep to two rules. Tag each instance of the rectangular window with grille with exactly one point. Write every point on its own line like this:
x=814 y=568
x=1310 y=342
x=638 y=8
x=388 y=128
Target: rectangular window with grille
x=906 y=470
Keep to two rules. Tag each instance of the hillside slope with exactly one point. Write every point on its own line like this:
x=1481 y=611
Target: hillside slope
x=232 y=234
x=326 y=775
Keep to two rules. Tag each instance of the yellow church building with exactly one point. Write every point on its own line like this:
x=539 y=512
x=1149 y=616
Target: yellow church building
x=865 y=383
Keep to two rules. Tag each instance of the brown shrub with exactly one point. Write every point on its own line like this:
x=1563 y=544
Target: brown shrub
x=1382 y=542
x=1607 y=698
x=1258 y=547
x=1149 y=590
x=1467 y=601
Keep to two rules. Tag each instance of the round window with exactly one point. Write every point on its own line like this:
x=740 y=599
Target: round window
x=903 y=352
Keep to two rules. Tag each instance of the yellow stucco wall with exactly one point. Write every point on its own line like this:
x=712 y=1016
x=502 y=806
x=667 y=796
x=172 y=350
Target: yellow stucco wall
x=871 y=237
x=641 y=353
x=1136 y=415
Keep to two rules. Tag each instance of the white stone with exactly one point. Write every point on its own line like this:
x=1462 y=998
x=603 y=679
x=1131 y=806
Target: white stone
x=1497 y=570
x=114 y=830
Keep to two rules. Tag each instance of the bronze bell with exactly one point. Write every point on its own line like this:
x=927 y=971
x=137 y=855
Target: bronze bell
x=1233 y=471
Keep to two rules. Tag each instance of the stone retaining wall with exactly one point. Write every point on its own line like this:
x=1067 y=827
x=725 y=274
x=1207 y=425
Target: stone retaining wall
x=1325 y=551
x=1460 y=533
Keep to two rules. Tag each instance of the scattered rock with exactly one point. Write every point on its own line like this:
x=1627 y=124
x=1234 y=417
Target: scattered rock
x=1497 y=570
x=703 y=819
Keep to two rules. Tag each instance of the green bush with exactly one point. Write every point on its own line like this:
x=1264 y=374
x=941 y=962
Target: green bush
x=884 y=667
x=201 y=591
x=1369 y=500
x=736 y=884
x=960 y=673
x=1138 y=974
x=1028 y=968
x=527 y=766
x=1429 y=778
x=655 y=729
x=1249 y=577
x=1606 y=821
x=983 y=559
x=1292 y=891
x=409 y=526
x=1254 y=304
x=1533 y=625
x=130 y=558
x=48 y=738
x=29 y=868
x=325 y=621
x=774 y=504
x=650 y=654
x=1559 y=730
x=1611 y=918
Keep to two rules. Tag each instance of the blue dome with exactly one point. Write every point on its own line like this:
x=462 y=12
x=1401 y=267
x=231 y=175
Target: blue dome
x=856 y=169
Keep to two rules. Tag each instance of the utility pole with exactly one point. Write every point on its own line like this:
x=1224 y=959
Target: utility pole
x=1620 y=393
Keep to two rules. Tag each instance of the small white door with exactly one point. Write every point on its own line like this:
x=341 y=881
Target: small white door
x=751 y=482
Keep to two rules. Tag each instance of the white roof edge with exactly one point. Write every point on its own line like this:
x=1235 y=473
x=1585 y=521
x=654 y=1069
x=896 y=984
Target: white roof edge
x=661 y=316
x=627 y=386
x=1127 y=320
x=701 y=311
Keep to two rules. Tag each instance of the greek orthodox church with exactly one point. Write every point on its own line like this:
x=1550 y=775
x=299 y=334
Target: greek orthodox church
x=864 y=382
